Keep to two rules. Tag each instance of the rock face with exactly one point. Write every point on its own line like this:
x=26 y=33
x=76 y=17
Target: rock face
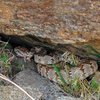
x=40 y=85
x=13 y=93
x=52 y=21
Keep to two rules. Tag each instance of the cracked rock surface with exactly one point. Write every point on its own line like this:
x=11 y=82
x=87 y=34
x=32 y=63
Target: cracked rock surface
x=48 y=90
x=52 y=21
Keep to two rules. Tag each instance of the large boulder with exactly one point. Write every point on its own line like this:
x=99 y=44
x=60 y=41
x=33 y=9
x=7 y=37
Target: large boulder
x=52 y=21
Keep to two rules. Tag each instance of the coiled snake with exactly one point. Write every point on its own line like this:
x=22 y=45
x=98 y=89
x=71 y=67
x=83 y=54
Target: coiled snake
x=81 y=68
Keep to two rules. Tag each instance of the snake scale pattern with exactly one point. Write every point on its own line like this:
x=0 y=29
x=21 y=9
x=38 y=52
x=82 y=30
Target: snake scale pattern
x=81 y=69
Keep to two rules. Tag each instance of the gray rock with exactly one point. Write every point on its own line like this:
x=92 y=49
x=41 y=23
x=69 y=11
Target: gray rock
x=37 y=86
x=67 y=98
x=37 y=83
x=13 y=93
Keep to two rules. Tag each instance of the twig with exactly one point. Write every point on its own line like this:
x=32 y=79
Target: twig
x=6 y=79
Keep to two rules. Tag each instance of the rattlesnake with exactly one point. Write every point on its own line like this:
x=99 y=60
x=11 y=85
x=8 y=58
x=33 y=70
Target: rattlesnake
x=82 y=68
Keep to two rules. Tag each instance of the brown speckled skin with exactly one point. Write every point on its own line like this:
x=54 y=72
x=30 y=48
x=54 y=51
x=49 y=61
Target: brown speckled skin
x=83 y=69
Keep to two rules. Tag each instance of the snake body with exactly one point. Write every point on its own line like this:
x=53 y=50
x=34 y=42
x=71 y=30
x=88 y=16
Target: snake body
x=66 y=57
x=82 y=71
x=81 y=68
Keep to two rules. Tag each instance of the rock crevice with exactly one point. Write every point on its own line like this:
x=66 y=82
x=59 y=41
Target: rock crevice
x=52 y=21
